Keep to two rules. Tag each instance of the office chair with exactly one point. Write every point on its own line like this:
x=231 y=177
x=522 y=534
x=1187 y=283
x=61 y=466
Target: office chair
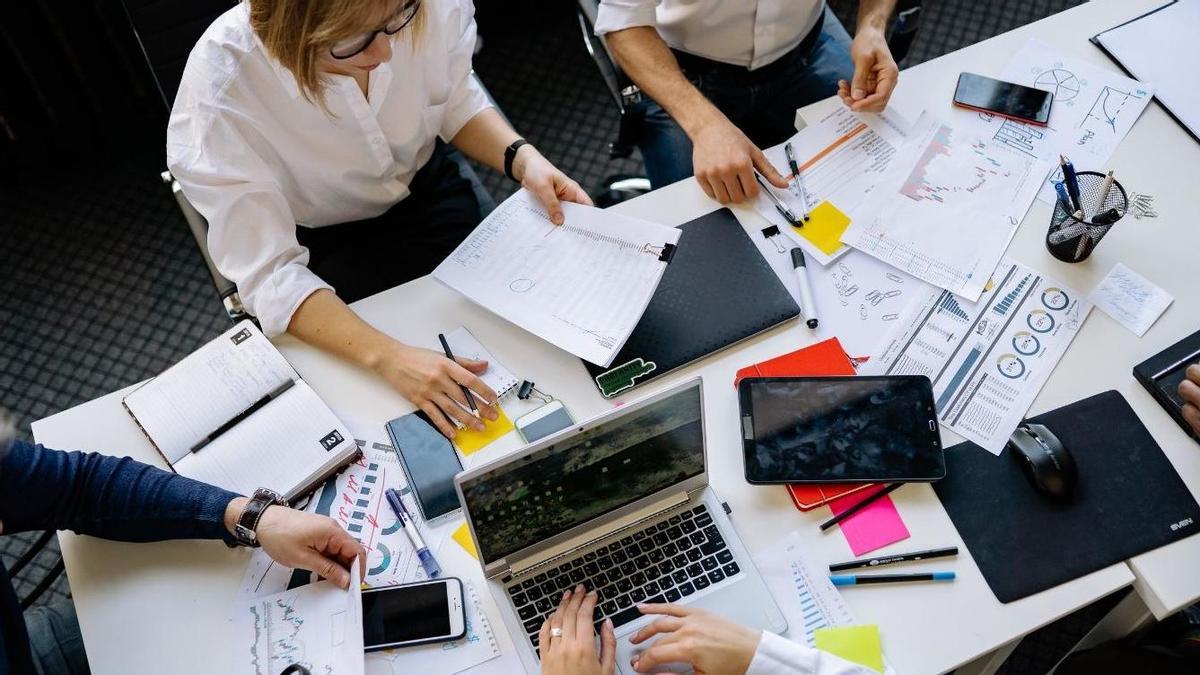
x=166 y=33
x=629 y=99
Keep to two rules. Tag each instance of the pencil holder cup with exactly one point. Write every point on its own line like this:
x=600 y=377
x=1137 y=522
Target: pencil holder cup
x=1072 y=239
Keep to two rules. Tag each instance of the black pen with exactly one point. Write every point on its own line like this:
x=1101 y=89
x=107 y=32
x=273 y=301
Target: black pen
x=791 y=159
x=233 y=422
x=859 y=580
x=859 y=506
x=892 y=559
x=779 y=205
x=466 y=392
x=1071 y=181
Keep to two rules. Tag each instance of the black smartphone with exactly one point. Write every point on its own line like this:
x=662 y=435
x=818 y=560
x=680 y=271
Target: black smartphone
x=1006 y=99
x=413 y=614
x=430 y=462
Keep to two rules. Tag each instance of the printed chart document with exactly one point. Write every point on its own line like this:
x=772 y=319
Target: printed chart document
x=581 y=286
x=477 y=646
x=841 y=156
x=946 y=210
x=987 y=359
x=318 y=626
x=802 y=590
x=1094 y=108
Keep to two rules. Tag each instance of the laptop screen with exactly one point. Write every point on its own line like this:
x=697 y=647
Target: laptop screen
x=587 y=475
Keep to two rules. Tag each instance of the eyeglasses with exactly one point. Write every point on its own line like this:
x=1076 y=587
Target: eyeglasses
x=351 y=47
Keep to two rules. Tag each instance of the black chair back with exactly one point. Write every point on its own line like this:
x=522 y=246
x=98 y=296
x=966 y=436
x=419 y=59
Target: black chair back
x=167 y=30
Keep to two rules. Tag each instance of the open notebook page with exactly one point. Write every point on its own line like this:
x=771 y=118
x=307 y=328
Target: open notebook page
x=581 y=286
x=206 y=389
x=283 y=446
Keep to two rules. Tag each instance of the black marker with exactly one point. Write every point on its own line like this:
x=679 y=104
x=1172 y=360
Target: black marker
x=892 y=559
x=233 y=422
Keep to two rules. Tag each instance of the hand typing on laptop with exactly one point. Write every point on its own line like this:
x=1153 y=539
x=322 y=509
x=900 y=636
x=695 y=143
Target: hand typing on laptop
x=704 y=640
x=569 y=638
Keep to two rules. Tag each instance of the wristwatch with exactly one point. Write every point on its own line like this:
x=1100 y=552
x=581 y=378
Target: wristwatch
x=246 y=532
x=510 y=154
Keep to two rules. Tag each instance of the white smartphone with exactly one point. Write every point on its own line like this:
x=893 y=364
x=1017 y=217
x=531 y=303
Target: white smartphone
x=413 y=614
x=538 y=424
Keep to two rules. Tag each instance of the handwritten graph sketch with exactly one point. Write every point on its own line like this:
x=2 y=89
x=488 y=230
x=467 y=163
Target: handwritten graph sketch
x=1110 y=103
x=1060 y=82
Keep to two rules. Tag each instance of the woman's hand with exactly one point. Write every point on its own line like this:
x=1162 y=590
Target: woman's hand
x=705 y=641
x=875 y=72
x=433 y=382
x=574 y=652
x=304 y=541
x=546 y=182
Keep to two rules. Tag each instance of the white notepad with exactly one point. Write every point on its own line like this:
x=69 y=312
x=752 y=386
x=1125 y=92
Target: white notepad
x=581 y=286
x=464 y=345
x=235 y=414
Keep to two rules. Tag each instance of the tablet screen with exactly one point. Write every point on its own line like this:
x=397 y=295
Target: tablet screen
x=833 y=429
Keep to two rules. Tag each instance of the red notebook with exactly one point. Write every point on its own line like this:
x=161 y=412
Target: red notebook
x=822 y=359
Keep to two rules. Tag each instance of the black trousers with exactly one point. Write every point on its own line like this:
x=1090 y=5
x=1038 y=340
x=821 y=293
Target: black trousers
x=365 y=257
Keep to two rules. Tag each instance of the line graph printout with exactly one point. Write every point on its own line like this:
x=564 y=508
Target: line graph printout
x=987 y=360
x=318 y=626
x=947 y=208
x=841 y=156
x=581 y=286
x=1094 y=108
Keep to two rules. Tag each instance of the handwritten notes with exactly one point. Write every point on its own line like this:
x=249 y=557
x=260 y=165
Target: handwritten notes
x=1133 y=300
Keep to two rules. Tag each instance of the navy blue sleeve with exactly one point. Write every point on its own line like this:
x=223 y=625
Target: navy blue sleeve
x=109 y=497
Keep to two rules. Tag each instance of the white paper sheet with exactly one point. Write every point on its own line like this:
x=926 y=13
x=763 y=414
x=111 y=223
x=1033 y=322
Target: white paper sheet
x=805 y=595
x=581 y=286
x=947 y=208
x=464 y=345
x=987 y=360
x=1162 y=48
x=318 y=626
x=1094 y=108
x=841 y=156
x=859 y=300
x=476 y=647
x=1133 y=300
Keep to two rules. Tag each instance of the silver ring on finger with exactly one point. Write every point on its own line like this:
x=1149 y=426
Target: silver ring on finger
x=555 y=632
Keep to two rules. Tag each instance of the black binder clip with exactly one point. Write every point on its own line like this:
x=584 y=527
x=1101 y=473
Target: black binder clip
x=668 y=253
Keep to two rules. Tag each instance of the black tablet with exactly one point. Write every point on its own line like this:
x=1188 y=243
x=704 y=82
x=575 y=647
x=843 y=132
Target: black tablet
x=840 y=429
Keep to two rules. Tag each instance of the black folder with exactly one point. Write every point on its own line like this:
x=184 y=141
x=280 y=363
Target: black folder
x=1129 y=500
x=717 y=291
x=1161 y=374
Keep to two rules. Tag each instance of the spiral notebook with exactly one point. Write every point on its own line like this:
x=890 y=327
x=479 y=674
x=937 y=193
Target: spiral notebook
x=465 y=345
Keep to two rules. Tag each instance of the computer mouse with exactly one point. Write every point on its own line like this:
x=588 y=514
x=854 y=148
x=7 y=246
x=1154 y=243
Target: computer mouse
x=1048 y=465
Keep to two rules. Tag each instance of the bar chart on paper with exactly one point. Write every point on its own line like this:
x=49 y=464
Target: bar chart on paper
x=803 y=592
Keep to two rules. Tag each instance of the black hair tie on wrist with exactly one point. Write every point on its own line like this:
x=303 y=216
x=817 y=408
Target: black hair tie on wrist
x=510 y=153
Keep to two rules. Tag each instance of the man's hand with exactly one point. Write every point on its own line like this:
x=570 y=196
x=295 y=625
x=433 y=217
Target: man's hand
x=574 y=652
x=433 y=382
x=304 y=541
x=705 y=641
x=546 y=182
x=724 y=161
x=1189 y=391
x=875 y=72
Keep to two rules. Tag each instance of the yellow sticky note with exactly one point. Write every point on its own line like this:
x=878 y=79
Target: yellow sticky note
x=859 y=644
x=470 y=441
x=463 y=536
x=825 y=227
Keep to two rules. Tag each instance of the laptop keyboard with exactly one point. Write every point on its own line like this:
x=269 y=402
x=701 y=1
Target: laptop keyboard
x=663 y=562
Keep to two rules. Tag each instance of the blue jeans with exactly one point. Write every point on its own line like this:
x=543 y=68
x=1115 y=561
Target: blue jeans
x=762 y=103
x=55 y=640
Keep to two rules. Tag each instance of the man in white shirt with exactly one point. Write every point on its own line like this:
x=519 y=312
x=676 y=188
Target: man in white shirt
x=726 y=78
x=318 y=138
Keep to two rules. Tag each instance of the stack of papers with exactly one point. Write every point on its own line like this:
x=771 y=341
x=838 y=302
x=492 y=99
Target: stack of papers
x=581 y=286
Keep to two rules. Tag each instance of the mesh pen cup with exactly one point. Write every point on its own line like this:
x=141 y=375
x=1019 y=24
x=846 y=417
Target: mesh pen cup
x=1072 y=239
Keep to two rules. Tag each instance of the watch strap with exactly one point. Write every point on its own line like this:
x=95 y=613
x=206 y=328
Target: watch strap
x=246 y=531
x=510 y=154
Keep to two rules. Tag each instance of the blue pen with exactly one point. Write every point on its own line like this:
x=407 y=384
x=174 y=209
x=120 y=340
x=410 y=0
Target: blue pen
x=1071 y=181
x=1063 y=197
x=861 y=579
x=406 y=523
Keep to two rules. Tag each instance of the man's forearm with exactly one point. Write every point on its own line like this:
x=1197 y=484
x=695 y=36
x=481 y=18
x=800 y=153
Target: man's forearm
x=648 y=61
x=874 y=14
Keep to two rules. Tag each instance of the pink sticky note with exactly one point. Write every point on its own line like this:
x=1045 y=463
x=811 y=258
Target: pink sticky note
x=876 y=526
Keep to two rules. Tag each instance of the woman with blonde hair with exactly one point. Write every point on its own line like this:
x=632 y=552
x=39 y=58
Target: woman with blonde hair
x=320 y=139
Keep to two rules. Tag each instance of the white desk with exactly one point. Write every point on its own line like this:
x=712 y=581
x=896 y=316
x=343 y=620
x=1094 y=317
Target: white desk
x=157 y=607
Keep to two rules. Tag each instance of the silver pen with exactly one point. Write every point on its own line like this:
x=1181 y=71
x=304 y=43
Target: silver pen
x=779 y=205
x=799 y=180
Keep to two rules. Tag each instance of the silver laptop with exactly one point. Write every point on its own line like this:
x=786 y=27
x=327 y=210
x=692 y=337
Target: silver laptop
x=621 y=504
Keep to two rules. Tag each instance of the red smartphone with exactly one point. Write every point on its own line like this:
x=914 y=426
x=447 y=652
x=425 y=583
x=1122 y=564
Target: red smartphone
x=1024 y=104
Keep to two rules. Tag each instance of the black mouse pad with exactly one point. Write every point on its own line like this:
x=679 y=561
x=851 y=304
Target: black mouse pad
x=717 y=291
x=1129 y=500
